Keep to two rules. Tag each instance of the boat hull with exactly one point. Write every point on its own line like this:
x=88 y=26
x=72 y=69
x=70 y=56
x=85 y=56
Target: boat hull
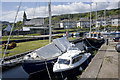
x=35 y=66
x=74 y=71
x=94 y=43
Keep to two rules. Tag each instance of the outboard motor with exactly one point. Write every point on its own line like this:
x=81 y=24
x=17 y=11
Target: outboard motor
x=117 y=47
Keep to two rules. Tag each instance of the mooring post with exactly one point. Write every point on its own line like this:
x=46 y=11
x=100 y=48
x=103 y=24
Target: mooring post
x=107 y=42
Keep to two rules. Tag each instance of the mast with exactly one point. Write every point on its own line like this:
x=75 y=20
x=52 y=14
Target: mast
x=96 y=16
x=90 y=16
x=50 y=33
x=104 y=19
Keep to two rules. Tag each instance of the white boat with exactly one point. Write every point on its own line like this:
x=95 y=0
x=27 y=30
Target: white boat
x=70 y=62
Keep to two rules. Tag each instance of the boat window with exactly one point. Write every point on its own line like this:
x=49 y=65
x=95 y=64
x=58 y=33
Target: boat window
x=87 y=35
x=76 y=59
x=64 y=61
x=91 y=35
x=95 y=35
x=98 y=35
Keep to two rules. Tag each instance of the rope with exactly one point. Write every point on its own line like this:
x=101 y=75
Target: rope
x=48 y=71
x=2 y=60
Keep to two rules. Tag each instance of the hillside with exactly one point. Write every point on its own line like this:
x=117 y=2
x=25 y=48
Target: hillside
x=58 y=18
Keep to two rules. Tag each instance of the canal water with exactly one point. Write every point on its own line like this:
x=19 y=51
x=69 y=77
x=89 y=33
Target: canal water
x=17 y=73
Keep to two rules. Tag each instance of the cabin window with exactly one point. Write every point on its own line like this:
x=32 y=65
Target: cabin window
x=76 y=59
x=95 y=35
x=64 y=61
x=87 y=35
x=98 y=35
x=91 y=35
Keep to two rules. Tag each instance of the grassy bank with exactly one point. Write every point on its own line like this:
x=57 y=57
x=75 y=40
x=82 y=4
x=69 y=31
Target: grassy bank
x=26 y=46
x=30 y=45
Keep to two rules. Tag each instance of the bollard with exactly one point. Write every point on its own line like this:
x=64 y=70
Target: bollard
x=107 y=42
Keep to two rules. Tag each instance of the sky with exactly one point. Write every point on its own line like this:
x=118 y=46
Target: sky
x=37 y=8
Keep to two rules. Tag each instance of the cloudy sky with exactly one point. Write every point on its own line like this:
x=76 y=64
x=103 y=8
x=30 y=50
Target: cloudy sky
x=40 y=9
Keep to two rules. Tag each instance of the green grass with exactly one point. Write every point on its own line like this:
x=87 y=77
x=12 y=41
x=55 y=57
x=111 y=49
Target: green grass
x=72 y=38
x=27 y=46
x=63 y=30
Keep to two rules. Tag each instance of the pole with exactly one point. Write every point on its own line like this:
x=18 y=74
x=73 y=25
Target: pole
x=104 y=19
x=90 y=17
x=96 y=16
x=50 y=33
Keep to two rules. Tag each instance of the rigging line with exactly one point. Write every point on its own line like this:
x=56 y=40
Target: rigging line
x=11 y=32
x=48 y=71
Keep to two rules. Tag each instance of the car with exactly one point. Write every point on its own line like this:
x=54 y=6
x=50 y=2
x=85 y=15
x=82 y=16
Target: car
x=116 y=39
x=117 y=47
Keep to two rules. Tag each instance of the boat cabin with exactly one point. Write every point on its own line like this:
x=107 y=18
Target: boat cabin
x=93 y=35
x=69 y=60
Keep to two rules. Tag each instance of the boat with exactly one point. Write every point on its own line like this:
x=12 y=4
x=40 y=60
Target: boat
x=37 y=60
x=94 y=39
x=71 y=62
x=42 y=59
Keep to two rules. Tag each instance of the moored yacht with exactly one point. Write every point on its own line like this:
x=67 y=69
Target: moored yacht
x=94 y=39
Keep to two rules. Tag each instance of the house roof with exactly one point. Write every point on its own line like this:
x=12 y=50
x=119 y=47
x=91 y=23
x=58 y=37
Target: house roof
x=35 y=21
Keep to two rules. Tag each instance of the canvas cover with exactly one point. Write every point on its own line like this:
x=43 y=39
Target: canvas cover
x=62 y=43
x=48 y=51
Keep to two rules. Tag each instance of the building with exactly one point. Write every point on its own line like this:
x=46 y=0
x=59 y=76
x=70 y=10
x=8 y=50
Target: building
x=83 y=22
x=67 y=24
x=35 y=25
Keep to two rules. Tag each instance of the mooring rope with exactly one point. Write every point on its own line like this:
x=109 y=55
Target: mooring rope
x=48 y=71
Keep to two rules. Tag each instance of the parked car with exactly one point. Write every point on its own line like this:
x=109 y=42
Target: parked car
x=117 y=47
x=116 y=39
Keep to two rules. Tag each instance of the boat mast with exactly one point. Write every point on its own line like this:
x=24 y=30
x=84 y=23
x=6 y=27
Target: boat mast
x=2 y=60
x=50 y=33
x=90 y=16
x=104 y=19
x=96 y=17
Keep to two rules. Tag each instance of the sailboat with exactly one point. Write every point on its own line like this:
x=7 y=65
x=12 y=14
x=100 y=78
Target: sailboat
x=94 y=39
x=42 y=59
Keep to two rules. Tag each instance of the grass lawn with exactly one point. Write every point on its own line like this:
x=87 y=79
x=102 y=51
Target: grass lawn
x=26 y=46
x=30 y=45
x=72 y=38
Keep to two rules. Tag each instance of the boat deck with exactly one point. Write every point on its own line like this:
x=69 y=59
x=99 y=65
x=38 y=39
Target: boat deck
x=104 y=64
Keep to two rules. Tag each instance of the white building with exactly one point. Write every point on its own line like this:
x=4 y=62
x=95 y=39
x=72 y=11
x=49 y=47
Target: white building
x=67 y=24
x=114 y=22
x=83 y=22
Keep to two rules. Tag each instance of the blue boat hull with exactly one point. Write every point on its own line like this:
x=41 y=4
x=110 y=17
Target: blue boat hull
x=35 y=66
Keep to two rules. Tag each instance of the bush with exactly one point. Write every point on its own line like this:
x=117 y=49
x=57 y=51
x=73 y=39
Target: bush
x=13 y=44
x=10 y=46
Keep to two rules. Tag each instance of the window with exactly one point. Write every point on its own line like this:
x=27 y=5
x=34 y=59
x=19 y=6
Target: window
x=91 y=35
x=64 y=61
x=95 y=35
x=76 y=59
